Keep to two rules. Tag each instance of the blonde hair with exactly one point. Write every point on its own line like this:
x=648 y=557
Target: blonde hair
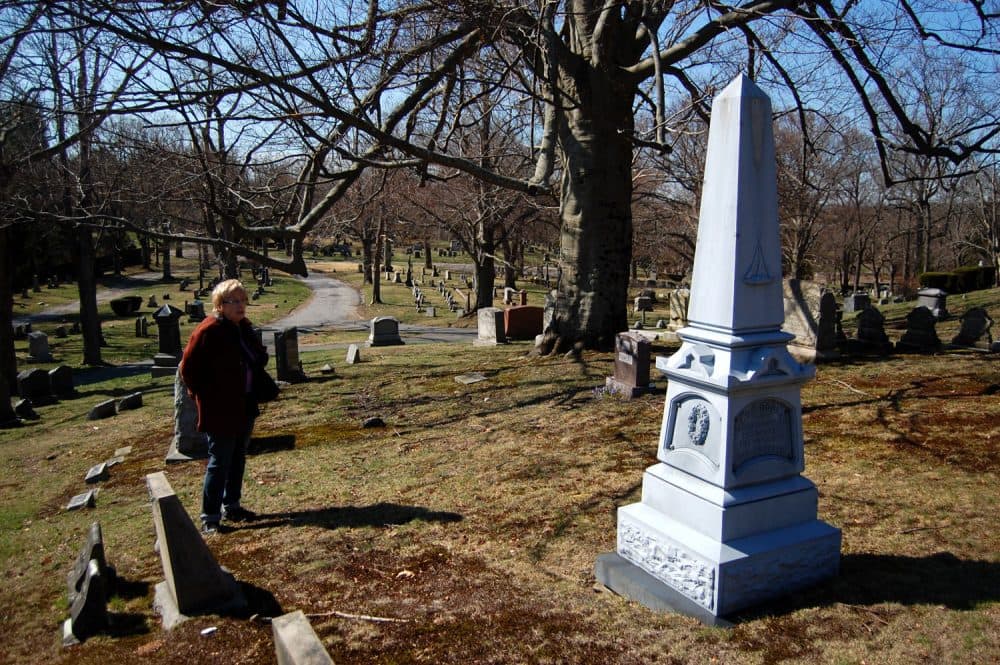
x=223 y=290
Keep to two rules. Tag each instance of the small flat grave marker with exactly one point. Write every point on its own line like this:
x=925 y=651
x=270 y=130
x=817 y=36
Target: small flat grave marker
x=86 y=500
x=104 y=409
x=97 y=473
x=472 y=377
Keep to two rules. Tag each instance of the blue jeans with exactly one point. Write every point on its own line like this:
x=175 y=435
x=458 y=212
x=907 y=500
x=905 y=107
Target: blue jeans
x=227 y=460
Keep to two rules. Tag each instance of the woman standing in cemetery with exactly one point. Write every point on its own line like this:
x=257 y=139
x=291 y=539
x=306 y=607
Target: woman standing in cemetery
x=217 y=369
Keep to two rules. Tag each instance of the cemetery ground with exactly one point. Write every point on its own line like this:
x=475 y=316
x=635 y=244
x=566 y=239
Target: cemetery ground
x=465 y=530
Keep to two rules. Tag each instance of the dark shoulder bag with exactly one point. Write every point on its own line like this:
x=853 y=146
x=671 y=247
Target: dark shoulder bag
x=263 y=389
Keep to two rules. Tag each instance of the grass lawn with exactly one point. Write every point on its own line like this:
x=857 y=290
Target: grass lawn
x=473 y=518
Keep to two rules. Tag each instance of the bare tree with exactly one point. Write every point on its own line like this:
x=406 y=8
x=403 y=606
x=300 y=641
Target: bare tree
x=351 y=87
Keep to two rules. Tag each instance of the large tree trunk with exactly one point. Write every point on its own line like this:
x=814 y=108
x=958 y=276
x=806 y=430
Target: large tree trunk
x=90 y=321
x=8 y=361
x=596 y=236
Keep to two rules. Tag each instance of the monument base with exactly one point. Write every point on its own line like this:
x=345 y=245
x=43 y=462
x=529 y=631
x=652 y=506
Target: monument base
x=392 y=341
x=724 y=577
x=630 y=581
x=488 y=342
x=165 y=605
x=176 y=455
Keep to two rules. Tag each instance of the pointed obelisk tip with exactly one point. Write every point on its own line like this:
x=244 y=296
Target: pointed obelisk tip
x=742 y=86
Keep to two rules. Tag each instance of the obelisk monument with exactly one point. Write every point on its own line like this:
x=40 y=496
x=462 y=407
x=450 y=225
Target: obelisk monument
x=726 y=520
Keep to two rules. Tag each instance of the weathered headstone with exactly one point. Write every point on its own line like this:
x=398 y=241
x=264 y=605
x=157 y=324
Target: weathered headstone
x=194 y=581
x=93 y=550
x=490 y=327
x=679 y=300
x=62 y=332
x=353 y=354
x=726 y=520
x=167 y=320
x=431 y=311
x=643 y=304
x=975 y=329
x=38 y=347
x=631 y=377
x=804 y=319
x=24 y=410
x=187 y=443
x=920 y=335
x=295 y=641
x=523 y=322
x=88 y=609
x=87 y=499
x=102 y=410
x=97 y=473
x=857 y=302
x=288 y=367
x=35 y=385
x=870 y=336
x=130 y=402
x=935 y=300
x=508 y=296
x=384 y=332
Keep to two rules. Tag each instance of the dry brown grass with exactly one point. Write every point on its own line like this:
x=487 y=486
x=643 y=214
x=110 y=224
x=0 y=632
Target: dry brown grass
x=477 y=513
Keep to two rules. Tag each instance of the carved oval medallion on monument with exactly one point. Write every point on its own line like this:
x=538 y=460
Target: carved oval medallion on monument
x=693 y=435
x=763 y=435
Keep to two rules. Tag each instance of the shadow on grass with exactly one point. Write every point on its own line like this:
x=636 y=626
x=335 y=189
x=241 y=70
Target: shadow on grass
x=270 y=444
x=378 y=514
x=940 y=579
x=260 y=602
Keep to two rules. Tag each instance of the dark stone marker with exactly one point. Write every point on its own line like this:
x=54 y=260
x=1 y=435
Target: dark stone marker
x=130 y=402
x=88 y=614
x=35 y=385
x=86 y=500
x=871 y=335
x=920 y=335
x=102 y=410
x=631 y=378
x=93 y=549
x=522 y=322
x=975 y=330
x=97 y=473
x=286 y=355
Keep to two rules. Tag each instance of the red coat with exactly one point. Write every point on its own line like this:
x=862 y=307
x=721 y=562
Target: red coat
x=214 y=369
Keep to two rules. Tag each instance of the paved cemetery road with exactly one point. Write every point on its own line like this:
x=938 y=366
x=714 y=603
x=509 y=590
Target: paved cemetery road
x=333 y=306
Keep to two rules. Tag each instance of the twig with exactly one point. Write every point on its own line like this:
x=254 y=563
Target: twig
x=850 y=387
x=923 y=528
x=359 y=617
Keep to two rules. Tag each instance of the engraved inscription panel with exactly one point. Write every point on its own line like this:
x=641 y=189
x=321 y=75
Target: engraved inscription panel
x=762 y=428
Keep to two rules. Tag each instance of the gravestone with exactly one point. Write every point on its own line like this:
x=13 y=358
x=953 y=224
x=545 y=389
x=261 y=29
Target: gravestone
x=142 y=327
x=23 y=410
x=295 y=641
x=975 y=329
x=353 y=354
x=803 y=319
x=35 y=385
x=491 y=329
x=431 y=311
x=522 y=297
x=523 y=322
x=934 y=300
x=631 y=374
x=102 y=410
x=194 y=582
x=196 y=311
x=384 y=332
x=121 y=306
x=679 y=299
x=870 y=336
x=62 y=332
x=288 y=367
x=726 y=520
x=187 y=443
x=93 y=550
x=97 y=473
x=830 y=335
x=130 y=402
x=508 y=296
x=38 y=347
x=87 y=499
x=151 y=303
x=643 y=304
x=167 y=320
x=920 y=335
x=857 y=302
x=88 y=609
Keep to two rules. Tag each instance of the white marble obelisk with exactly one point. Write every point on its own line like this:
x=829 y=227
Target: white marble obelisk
x=726 y=520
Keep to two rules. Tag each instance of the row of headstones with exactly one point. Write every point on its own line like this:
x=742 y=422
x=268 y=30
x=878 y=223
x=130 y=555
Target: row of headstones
x=499 y=326
x=921 y=334
x=95 y=474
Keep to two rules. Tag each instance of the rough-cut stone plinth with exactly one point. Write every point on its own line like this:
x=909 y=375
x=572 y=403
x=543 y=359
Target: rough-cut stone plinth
x=194 y=581
x=725 y=519
x=295 y=641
